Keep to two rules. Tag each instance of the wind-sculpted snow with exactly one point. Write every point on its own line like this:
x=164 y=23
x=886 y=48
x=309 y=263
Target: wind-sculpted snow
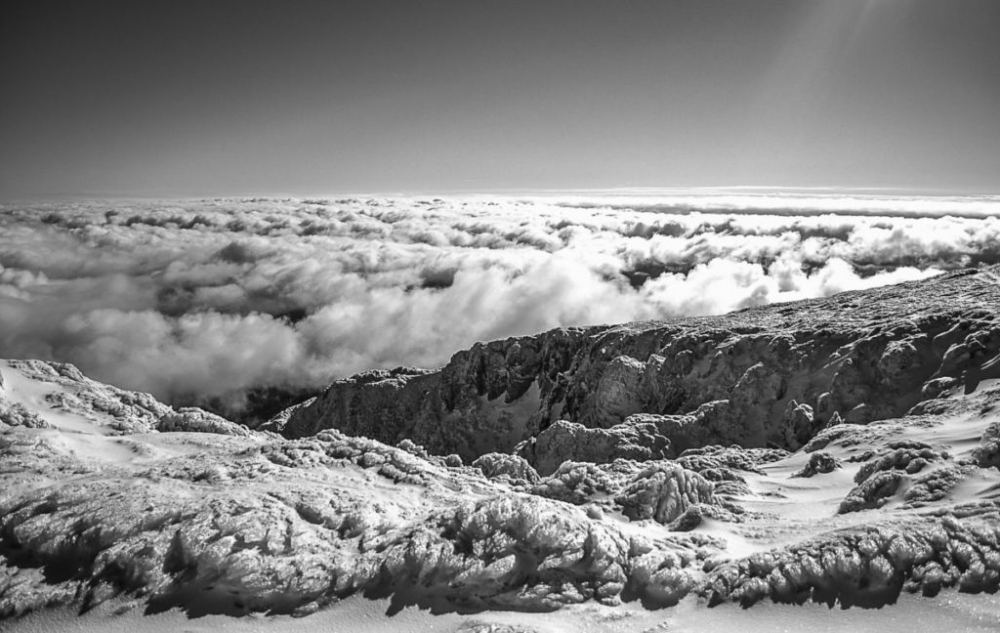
x=873 y=565
x=292 y=526
x=663 y=492
x=207 y=301
x=250 y=524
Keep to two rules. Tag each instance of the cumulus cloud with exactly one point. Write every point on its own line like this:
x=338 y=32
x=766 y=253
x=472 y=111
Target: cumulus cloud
x=210 y=298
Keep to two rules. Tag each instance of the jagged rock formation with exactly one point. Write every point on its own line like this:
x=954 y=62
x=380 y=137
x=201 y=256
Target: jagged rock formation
x=784 y=453
x=563 y=441
x=774 y=375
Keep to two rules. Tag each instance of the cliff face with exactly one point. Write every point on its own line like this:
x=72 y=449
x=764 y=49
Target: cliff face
x=774 y=375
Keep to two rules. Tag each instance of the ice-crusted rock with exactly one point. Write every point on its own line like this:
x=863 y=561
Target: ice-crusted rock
x=512 y=467
x=734 y=457
x=413 y=448
x=872 y=566
x=819 y=463
x=583 y=482
x=662 y=492
x=562 y=441
x=934 y=485
x=880 y=479
x=909 y=456
x=987 y=454
x=16 y=414
x=772 y=375
x=873 y=492
x=195 y=420
x=798 y=424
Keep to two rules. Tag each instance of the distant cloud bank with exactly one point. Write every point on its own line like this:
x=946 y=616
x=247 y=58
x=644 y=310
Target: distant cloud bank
x=209 y=298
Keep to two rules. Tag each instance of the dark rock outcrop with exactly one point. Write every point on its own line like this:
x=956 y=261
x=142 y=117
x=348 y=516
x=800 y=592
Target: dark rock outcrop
x=511 y=468
x=773 y=375
x=819 y=463
x=562 y=441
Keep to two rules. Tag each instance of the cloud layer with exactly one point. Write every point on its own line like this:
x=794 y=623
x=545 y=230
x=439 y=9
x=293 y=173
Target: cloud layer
x=208 y=298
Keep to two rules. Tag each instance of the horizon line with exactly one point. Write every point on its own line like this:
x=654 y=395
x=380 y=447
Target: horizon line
x=640 y=191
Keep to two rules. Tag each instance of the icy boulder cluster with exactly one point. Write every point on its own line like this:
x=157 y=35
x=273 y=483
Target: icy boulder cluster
x=16 y=414
x=293 y=526
x=872 y=566
x=879 y=479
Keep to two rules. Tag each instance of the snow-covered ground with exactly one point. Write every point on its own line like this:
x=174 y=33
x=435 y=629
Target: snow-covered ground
x=961 y=613
x=313 y=526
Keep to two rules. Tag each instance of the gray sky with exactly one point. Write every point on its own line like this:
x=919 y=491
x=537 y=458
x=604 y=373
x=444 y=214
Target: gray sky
x=197 y=98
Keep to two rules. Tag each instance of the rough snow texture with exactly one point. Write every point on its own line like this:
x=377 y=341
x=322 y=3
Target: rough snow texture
x=841 y=451
x=872 y=566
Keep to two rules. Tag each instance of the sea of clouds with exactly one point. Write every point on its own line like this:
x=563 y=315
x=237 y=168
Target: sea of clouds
x=207 y=298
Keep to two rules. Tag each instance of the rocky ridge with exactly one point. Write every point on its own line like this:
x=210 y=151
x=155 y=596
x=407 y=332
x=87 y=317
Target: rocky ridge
x=768 y=376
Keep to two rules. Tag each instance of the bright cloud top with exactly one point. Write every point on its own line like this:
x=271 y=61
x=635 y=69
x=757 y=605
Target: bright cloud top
x=210 y=298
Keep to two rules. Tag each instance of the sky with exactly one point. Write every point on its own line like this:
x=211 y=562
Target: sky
x=185 y=98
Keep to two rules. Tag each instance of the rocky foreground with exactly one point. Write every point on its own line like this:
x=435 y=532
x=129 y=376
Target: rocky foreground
x=841 y=450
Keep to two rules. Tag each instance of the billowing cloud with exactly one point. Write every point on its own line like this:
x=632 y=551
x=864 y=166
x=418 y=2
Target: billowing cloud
x=209 y=298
